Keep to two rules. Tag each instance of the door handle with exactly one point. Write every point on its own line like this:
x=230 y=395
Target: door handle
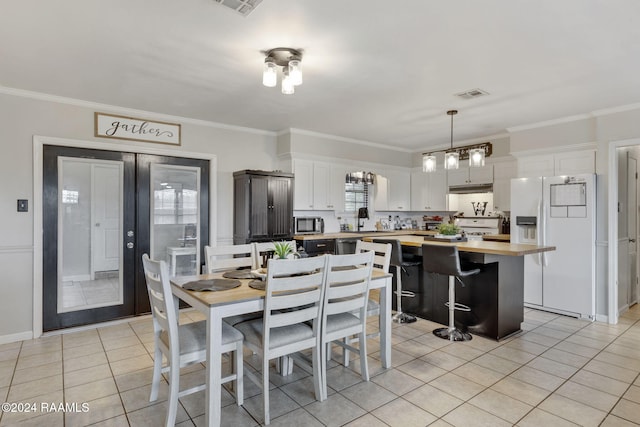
x=130 y=245
x=632 y=240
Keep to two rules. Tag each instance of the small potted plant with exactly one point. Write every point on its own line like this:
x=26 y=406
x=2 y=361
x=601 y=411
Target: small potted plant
x=447 y=230
x=282 y=249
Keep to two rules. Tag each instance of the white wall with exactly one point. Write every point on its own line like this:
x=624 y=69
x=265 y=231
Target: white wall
x=26 y=116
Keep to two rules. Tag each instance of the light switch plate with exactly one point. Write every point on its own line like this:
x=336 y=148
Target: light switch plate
x=23 y=205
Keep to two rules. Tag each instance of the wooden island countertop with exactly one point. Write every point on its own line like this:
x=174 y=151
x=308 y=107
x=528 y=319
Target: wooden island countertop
x=477 y=246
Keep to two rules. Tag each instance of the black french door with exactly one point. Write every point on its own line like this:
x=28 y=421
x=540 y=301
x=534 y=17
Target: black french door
x=101 y=211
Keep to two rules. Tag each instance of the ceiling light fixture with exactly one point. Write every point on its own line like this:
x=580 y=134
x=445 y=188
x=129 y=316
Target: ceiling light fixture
x=476 y=157
x=451 y=158
x=290 y=61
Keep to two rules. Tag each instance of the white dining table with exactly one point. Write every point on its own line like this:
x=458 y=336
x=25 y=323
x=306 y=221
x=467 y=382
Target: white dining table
x=244 y=299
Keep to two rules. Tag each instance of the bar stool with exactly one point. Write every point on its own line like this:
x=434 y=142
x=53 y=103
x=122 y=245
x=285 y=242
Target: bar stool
x=400 y=264
x=444 y=259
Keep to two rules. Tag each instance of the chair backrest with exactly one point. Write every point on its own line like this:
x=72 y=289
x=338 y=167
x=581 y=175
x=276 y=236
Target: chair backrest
x=382 y=251
x=264 y=251
x=396 y=250
x=347 y=288
x=441 y=259
x=164 y=307
x=227 y=257
x=293 y=294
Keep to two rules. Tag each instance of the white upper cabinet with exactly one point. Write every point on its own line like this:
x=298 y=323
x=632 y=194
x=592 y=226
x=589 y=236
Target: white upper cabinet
x=503 y=172
x=429 y=191
x=565 y=163
x=318 y=186
x=467 y=175
x=328 y=187
x=399 y=190
x=392 y=191
x=303 y=185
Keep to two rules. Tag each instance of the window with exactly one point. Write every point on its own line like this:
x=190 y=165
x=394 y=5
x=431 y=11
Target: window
x=356 y=195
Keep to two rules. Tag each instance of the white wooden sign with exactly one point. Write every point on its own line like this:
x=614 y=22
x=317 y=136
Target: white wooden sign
x=130 y=128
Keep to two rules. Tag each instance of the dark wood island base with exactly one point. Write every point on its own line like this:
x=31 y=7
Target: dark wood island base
x=495 y=295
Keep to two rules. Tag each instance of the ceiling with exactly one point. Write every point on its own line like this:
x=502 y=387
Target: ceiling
x=374 y=70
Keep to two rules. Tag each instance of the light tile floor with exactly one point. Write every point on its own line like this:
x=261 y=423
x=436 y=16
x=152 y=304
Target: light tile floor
x=559 y=371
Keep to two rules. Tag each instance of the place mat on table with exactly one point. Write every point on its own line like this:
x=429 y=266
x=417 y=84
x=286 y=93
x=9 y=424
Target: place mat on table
x=257 y=284
x=238 y=274
x=211 y=285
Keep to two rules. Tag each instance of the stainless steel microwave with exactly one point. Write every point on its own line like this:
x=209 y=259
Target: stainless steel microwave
x=308 y=225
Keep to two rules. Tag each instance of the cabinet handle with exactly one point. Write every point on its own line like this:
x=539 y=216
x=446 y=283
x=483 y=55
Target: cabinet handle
x=310 y=206
x=321 y=245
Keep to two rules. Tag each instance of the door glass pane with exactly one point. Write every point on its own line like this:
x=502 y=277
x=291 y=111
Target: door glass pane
x=90 y=233
x=175 y=217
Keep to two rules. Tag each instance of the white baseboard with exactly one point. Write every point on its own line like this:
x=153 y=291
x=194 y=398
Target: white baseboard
x=20 y=336
x=77 y=278
x=602 y=318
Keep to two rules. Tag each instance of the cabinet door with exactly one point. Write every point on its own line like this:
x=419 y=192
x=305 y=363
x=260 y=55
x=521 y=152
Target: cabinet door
x=336 y=190
x=534 y=166
x=575 y=162
x=280 y=208
x=437 y=191
x=381 y=195
x=419 y=189
x=303 y=190
x=321 y=186
x=481 y=175
x=458 y=176
x=399 y=190
x=259 y=206
x=503 y=172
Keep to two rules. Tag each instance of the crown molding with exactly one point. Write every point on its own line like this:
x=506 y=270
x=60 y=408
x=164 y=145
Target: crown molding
x=554 y=150
x=129 y=111
x=295 y=131
x=614 y=110
x=553 y=122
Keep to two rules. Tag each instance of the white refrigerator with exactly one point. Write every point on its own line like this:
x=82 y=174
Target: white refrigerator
x=557 y=211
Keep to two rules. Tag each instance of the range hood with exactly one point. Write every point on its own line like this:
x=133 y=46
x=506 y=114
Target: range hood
x=471 y=188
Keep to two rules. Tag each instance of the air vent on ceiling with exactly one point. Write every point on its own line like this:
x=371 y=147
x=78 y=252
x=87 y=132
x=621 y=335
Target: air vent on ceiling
x=473 y=93
x=243 y=7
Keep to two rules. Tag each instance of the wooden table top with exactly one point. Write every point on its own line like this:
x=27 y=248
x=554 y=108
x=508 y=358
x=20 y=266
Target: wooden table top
x=478 y=246
x=236 y=295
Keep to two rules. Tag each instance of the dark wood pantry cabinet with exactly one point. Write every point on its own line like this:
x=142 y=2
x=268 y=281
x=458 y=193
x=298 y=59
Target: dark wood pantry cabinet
x=263 y=206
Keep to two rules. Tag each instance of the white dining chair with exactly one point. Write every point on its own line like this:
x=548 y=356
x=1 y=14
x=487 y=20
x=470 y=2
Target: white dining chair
x=264 y=251
x=291 y=321
x=381 y=260
x=182 y=345
x=345 y=306
x=228 y=257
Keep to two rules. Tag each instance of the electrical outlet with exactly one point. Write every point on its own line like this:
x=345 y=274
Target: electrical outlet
x=23 y=205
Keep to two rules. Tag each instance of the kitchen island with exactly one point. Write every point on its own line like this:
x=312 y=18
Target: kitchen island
x=495 y=295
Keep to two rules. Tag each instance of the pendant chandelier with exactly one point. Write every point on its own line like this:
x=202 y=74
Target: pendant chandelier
x=476 y=153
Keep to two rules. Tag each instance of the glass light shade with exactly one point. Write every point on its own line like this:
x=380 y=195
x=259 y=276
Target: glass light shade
x=295 y=72
x=287 y=85
x=429 y=163
x=451 y=160
x=269 y=74
x=476 y=157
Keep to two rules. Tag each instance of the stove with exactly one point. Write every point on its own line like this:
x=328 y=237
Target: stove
x=476 y=227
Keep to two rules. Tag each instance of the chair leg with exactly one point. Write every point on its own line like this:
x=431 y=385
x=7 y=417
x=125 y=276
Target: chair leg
x=401 y=317
x=265 y=389
x=322 y=368
x=157 y=368
x=364 y=363
x=239 y=370
x=318 y=384
x=451 y=333
x=174 y=388
x=345 y=352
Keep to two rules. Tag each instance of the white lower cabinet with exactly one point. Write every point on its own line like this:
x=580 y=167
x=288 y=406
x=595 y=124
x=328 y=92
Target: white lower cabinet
x=428 y=191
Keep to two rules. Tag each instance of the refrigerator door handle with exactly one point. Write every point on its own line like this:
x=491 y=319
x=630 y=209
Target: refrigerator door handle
x=543 y=234
x=539 y=229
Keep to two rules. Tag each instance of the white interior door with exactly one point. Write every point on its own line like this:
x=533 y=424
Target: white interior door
x=632 y=205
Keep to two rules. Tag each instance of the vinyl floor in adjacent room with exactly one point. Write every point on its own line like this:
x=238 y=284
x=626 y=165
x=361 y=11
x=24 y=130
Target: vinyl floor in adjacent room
x=559 y=371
